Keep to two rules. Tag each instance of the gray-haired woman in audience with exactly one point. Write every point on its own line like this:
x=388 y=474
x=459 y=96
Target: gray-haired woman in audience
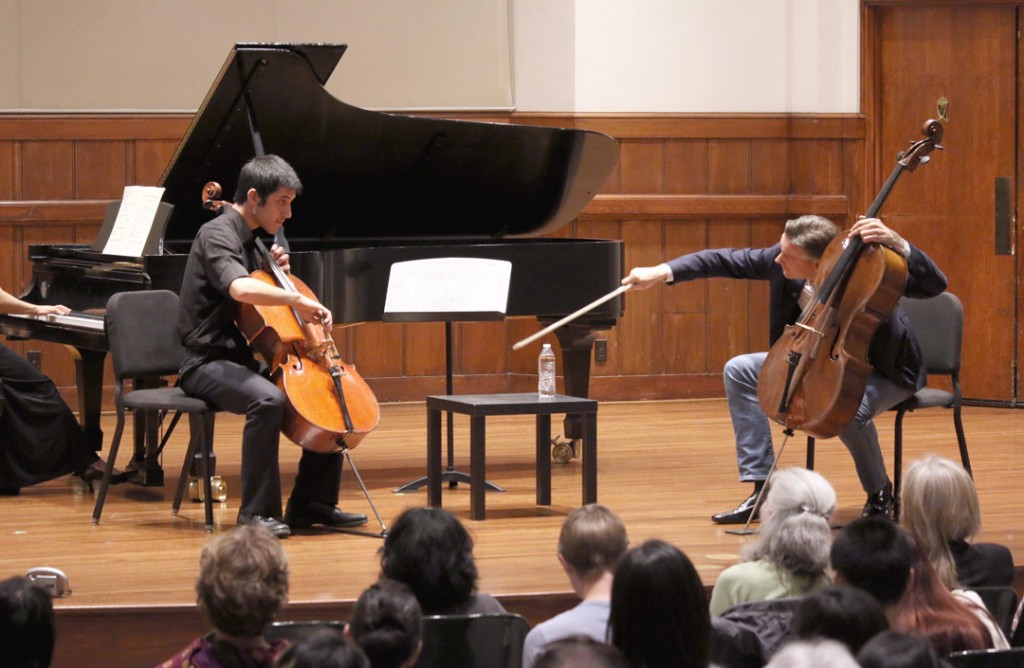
x=791 y=556
x=940 y=507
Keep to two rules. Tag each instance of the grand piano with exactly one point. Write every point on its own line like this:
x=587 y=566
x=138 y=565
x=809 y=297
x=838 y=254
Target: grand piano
x=379 y=188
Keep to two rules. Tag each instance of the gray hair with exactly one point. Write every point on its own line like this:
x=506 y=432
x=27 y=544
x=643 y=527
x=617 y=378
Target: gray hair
x=801 y=654
x=811 y=233
x=795 y=534
x=940 y=504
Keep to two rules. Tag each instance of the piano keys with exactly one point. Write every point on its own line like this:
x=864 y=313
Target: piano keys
x=378 y=188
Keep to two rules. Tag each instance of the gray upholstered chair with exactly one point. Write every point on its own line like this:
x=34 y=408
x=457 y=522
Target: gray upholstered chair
x=142 y=332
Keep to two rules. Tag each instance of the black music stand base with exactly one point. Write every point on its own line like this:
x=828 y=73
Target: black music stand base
x=450 y=476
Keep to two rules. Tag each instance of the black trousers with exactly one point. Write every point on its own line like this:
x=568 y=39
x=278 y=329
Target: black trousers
x=237 y=389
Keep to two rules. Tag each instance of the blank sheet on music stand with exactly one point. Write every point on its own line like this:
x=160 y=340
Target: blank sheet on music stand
x=447 y=289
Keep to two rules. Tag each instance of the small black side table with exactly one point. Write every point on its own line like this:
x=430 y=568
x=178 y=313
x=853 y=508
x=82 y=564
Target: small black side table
x=478 y=407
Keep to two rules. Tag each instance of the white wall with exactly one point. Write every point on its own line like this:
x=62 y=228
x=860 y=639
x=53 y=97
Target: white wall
x=557 y=55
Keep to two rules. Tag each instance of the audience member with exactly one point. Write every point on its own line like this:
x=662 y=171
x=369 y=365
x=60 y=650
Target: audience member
x=659 y=616
x=242 y=584
x=872 y=554
x=940 y=507
x=791 y=556
x=324 y=648
x=580 y=652
x=803 y=654
x=430 y=551
x=592 y=540
x=892 y=649
x=954 y=622
x=387 y=624
x=845 y=614
x=26 y=624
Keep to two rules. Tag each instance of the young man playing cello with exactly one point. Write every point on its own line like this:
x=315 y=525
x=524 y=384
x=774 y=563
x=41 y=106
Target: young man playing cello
x=219 y=366
x=790 y=266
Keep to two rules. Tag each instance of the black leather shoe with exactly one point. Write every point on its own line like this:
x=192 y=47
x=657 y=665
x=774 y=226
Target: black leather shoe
x=307 y=514
x=275 y=526
x=94 y=473
x=740 y=514
x=879 y=503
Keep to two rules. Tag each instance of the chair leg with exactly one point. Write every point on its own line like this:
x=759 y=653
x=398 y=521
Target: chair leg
x=205 y=446
x=108 y=472
x=961 y=439
x=810 y=453
x=194 y=434
x=897 y=465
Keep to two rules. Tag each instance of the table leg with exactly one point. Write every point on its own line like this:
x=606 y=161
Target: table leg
x=590 y=458
x=477 y=469
x=433 y=458
x=543 y=460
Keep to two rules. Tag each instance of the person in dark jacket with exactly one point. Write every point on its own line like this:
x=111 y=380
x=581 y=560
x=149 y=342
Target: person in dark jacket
x=790 y=267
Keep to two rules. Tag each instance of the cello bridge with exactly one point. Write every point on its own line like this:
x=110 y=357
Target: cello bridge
x=809 y=329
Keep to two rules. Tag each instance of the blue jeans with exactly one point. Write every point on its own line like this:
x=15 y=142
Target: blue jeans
x=754 y=453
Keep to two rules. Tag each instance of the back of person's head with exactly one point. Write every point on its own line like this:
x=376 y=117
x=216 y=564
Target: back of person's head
x=940 y=504
x=592 y=540
x=811 y=233
x=659 y=613
x=26 y=624
x=243 y=580
x=813 y=654
x=324 y=648
x=850 y=616
x=929 y=609
x=430 y=551
x=387 y=624
x=892 y=649
x=580 y=652
x=795 y=534
x=873 y=554
x=265 y=174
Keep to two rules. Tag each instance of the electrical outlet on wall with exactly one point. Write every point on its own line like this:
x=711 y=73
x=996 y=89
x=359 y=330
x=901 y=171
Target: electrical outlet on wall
x=601 y=350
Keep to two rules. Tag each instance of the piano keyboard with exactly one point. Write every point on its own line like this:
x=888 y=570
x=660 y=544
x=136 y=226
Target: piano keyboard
x=76 y=319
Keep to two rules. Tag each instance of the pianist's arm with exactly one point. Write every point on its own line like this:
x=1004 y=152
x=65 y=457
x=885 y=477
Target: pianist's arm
x=11 y=304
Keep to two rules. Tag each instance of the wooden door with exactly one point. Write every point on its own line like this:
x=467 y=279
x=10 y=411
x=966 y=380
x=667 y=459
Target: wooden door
x=966 y=53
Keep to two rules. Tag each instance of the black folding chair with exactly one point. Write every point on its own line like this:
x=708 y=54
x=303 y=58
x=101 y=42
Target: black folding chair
x=473 y=641
x=142 y=332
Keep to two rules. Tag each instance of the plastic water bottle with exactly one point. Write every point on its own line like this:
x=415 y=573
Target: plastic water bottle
x=546 y=373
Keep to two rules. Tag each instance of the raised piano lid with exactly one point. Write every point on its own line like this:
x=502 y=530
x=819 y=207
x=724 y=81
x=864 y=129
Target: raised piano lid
x=367 y=174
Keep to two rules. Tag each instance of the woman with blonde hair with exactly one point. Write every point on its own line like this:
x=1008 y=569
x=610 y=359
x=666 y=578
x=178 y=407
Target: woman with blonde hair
x=940 y=507
x=792 y=555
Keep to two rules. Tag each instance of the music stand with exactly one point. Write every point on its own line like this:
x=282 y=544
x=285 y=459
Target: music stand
x=447 y=289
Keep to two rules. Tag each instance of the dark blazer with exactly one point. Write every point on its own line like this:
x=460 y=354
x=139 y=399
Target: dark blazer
x=894 y=351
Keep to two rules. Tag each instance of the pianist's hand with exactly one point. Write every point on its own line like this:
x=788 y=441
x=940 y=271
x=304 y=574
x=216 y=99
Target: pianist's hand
x=48 y=309
x=281 y=258
x=645 y=277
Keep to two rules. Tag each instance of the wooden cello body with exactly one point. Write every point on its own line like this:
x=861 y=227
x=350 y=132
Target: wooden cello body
x=815 y=374
x=329 y=403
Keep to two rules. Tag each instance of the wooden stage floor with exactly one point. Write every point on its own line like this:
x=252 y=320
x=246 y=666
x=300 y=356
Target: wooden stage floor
x=665 y=467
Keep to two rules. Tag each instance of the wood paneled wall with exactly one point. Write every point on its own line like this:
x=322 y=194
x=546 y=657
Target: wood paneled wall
x=684 y=182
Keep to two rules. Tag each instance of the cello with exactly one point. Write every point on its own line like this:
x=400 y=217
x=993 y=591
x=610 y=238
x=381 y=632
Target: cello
x=330 y=406
x=815 y=374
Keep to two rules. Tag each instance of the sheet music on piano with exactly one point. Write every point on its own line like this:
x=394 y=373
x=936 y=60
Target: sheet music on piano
x=134 y=223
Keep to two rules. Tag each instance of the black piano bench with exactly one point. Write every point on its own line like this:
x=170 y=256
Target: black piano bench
x=478 y=407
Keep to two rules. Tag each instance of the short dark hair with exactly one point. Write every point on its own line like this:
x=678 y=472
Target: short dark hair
x=849 y=615
x=580 y=652
x=265 y=174
x=387 y=624
x=892 y=649
x=430 y=551
x=659 y=614
x=871 y=553
x=324 y=648
x=26 y=624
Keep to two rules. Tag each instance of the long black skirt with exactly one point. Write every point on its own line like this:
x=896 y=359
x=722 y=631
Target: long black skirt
x=40 y=439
